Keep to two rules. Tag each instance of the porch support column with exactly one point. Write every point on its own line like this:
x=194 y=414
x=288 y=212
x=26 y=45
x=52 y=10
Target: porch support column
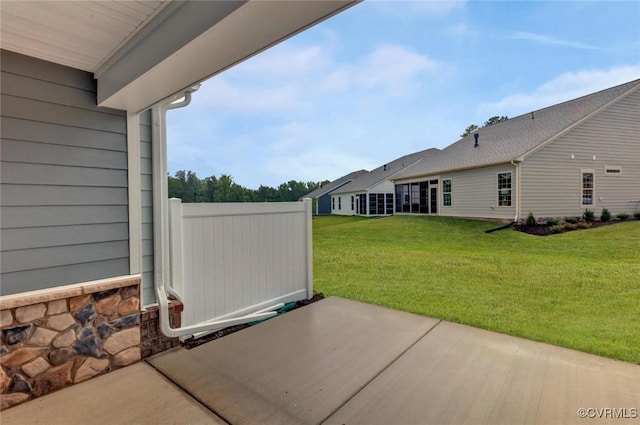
x=135 y=219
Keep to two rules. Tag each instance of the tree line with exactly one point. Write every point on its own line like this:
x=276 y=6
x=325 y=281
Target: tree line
x=493 y=120
x=187 y=186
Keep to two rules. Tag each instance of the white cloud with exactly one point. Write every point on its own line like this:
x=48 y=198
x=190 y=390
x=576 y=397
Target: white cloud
x=310 y=163
x=295 y=78
x=461 y=30
x=221 y=94
x=286 y=61
x=550 y=41
x=391 y=65
x=562 y=88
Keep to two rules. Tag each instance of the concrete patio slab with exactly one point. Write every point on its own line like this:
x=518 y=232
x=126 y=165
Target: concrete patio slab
x=136 y=394
x=462 y=375
x=344 y=362
x=296 y=368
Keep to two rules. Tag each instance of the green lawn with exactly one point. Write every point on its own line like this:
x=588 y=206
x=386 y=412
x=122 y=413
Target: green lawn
x=579 y=289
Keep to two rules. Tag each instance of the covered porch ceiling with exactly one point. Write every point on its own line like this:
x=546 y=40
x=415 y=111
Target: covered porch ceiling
x=142 y=52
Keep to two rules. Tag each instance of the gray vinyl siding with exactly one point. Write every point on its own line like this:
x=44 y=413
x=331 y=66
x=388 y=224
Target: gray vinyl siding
x=146 y=203
x=552 y=179
x=474 y=193
x=63 y=177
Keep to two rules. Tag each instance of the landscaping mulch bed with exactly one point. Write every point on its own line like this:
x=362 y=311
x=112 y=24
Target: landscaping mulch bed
x=545 y=230
x=194 y=342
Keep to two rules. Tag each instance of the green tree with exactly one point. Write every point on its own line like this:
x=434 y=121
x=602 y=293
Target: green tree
x=187 y=186
x=209 y=188
x=470 y=129
x=494 y=120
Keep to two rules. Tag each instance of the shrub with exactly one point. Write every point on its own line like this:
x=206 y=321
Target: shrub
x=557 y=228
x=552 y=221
x=571 y=220
x=637 y=215
x=570 y=226
x=622 y=216
x=531 y=220
x=605 y=215
x=583 y=225
x=590 y=216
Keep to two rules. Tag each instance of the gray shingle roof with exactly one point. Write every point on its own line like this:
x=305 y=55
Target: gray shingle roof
x=385 y=172
x=334 y=184
x=514 y=138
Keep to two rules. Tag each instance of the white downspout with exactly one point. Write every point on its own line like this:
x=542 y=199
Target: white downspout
x=161 y=264
x=517 y=165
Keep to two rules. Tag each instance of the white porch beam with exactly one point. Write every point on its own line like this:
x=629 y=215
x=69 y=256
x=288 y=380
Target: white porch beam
x=190 y=41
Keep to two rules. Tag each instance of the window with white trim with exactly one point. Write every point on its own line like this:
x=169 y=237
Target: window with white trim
x=339 y=202
x=446 y=193
x=504 y=189
x=333 y=203
x=587 y=187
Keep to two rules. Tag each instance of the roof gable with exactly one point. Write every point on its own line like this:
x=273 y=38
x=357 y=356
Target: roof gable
x=386 y=171
x=329 y=187
x=517 y=137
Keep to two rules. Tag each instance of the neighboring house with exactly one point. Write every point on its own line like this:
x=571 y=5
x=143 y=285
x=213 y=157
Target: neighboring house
x=553 y=162
x=372 y=193
x=322 y=195
x=83 y=212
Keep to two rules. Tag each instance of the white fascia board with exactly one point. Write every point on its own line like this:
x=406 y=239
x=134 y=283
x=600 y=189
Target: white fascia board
x=233 y=35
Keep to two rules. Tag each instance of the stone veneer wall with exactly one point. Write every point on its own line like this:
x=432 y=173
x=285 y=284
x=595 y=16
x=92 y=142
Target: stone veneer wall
x=63 y=336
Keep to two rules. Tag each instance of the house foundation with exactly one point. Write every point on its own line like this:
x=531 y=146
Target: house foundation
x=153 y=341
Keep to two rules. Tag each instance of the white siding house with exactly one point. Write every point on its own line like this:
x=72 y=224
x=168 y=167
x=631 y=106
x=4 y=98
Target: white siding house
x=553 y=162
x=322 y=195
x=372 y=193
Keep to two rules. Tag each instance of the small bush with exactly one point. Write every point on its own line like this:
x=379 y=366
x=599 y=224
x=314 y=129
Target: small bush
x=556 y=228
x=583 y=225
x=571 y=220
x=570 y=226
x=552 y=221
x=622 y=216
x=531 y=220
x=637 y=215
x=590 y=216
x=605 y=215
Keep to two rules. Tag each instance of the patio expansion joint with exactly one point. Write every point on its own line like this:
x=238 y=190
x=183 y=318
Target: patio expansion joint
x=193 y=396
x=356 y=392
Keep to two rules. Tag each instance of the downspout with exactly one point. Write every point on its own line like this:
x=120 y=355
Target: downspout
x=160 y=206
x=517 y=165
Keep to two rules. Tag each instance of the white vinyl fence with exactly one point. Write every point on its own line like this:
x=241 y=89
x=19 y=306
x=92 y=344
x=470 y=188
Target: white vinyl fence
x=231 y=260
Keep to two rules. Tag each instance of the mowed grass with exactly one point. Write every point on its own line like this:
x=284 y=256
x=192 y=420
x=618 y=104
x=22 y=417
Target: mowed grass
x=579 y=290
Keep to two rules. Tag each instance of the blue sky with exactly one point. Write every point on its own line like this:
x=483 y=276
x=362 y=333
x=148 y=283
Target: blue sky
x=385 y=79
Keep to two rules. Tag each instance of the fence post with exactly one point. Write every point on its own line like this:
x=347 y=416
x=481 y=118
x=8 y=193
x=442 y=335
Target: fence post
x=175 y=247
x=308 y=204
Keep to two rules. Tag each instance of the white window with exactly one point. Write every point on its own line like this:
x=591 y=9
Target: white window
x=504 y=189
x=587 y=187
x=446 y=193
